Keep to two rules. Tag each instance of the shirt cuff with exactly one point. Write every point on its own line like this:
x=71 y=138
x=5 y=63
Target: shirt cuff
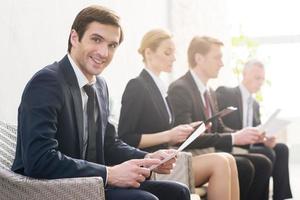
x=105 y=184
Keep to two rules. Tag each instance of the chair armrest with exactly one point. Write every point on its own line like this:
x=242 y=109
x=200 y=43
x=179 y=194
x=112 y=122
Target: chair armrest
x=15 y=186
x=182 y=172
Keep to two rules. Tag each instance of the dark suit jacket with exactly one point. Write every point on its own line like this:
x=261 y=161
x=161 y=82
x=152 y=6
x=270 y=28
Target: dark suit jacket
x=227 y=96
x=143 y=111
x=50 y=128
x=184 y=96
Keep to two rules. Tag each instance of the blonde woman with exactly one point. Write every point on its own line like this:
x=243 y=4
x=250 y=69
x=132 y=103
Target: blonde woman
x=146 y=119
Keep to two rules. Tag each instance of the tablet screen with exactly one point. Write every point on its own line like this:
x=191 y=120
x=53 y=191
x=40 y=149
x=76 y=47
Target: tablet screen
x=222 y=113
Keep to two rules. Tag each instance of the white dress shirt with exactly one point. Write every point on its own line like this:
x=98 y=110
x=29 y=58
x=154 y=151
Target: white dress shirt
x=163 y=90
x=247 y=100
x=200 y=85
x=82 y=81
x=202 y=88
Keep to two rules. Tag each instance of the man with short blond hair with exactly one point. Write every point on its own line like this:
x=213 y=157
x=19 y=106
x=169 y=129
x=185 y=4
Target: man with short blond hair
x=193 y=100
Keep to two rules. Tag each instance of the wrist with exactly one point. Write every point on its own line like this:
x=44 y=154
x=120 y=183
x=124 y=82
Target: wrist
x=235 y=138
x=166 y=137
x=109 y=178
x=148 y=155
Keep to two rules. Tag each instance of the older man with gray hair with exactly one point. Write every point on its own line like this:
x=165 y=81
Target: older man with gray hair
x=248 y=115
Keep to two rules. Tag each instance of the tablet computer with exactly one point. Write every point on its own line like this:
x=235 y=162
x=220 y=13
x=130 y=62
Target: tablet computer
x=197 y=132
x=221 y=113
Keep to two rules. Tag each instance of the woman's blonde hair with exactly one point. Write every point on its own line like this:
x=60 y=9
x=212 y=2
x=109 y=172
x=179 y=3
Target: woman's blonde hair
x=152 y=40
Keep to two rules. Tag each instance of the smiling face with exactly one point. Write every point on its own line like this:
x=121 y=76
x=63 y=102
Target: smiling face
x=96 y=48
x=162 y=58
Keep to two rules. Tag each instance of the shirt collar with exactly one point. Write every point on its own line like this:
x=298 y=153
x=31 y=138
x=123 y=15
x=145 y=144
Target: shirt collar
x=82 y=80
x=159 y=83
x=245 y=93
x=200 y=85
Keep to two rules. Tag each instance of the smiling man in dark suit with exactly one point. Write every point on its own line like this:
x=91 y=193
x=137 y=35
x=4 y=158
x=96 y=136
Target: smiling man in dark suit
x=248 y=115
x=63 y=128
x=193 y=100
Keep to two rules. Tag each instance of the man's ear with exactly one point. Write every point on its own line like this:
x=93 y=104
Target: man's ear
x=198 y=58
x=74 y=38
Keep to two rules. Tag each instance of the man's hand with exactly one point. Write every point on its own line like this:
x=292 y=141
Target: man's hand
x=166 y=167
x=130 y=173
x=246 y=136
x=270 y=141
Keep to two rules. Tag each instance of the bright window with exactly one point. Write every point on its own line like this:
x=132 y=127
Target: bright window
x=274 y=25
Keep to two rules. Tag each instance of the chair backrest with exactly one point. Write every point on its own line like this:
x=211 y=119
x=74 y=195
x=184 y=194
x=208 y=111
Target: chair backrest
x=8 y=140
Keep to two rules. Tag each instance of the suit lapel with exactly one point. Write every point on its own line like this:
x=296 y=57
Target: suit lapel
x=199 y=106
x=101 y=109
x=71 y=79
x=171 y=111
x=212 y=100
x=238 y=94
x=155 y=95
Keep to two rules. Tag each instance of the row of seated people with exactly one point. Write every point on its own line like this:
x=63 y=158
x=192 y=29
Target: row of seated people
x=160 y=118
x=63 y=127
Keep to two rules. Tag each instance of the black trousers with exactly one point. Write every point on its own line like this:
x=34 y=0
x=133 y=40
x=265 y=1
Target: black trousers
x=254 y=174
x=280 y=161
x=150 y=190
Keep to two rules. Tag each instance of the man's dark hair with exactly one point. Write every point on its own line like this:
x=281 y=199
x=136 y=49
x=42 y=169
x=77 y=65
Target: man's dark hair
x=94 y=14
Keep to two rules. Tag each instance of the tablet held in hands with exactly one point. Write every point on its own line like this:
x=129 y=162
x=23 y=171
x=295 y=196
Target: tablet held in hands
x=197 y=132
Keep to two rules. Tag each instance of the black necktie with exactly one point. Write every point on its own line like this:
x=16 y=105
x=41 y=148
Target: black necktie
x=91 y=147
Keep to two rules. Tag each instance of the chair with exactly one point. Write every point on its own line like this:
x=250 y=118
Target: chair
x=183 y=173
x=15 y=186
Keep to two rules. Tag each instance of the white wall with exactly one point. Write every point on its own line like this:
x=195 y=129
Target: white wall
x=34 y=33
x=197 y=17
